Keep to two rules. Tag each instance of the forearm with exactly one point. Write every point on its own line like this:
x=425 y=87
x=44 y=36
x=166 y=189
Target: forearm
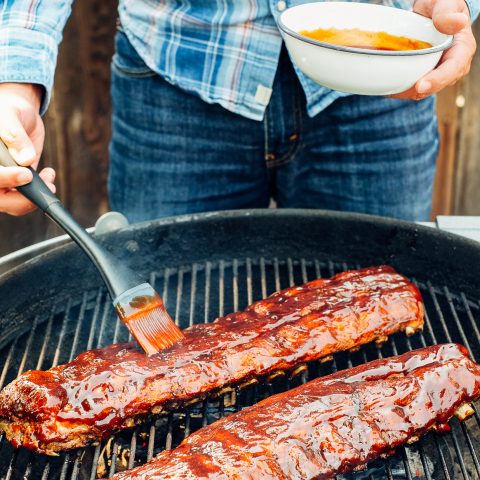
x=29 y=36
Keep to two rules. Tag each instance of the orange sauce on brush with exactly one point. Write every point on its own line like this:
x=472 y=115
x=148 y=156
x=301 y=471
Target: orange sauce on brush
x=354 y=37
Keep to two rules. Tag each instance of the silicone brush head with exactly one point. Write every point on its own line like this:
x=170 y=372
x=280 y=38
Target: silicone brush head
x=143 y=312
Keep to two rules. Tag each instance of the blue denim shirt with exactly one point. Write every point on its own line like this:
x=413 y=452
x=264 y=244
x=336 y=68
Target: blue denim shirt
x=225 y=51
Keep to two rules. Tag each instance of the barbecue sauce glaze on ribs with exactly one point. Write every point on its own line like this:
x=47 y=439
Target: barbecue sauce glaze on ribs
x=110 y=389
x=328 y=426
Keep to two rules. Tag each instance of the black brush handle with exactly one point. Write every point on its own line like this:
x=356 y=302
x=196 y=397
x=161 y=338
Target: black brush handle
x=117 y=276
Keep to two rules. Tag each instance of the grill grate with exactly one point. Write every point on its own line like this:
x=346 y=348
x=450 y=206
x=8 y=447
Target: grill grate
x=199 y=293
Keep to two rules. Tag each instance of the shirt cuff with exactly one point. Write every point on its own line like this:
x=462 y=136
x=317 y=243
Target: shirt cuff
x=28 y=56
x=474 y=7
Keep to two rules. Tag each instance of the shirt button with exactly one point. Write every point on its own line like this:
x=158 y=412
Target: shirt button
x=281 y=5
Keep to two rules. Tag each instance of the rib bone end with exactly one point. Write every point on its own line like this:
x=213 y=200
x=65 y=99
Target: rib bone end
x=464 y=411
x=129 y=423
x=191 y=402
x=410 y=331
x=381 y=340
x=275 y=375
x=157 y=409
x=299 y=370
x=224 y=391
x=326 y=359
x=251 y=381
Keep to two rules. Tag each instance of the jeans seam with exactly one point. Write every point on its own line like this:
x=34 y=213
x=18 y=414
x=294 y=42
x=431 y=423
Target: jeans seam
x=269 y=157
x=266 y=154
x=298 y=128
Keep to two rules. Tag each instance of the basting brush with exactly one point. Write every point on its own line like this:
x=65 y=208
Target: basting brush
x=135 y=301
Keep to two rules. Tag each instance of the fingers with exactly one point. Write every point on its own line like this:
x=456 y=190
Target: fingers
x=448 y=73
x=16 y=139
x=48 y=176
x=14 y=203
x=410 y=94
x=449 y=16
x=454 y=65
x=14 y=176
x=21 y=126
x=450 y=23
x=22 y=130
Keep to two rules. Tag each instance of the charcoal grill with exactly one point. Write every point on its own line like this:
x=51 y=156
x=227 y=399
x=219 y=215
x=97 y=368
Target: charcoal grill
x=54 y=307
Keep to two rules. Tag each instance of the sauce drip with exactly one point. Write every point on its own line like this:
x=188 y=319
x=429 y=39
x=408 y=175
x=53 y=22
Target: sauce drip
x=356 y=38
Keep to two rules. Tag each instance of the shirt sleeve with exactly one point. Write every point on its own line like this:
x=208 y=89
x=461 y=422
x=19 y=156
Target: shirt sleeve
x=30 y=31
x=474 y=7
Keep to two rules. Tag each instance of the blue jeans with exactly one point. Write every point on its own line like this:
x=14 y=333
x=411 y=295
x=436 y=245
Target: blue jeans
x=172 y=153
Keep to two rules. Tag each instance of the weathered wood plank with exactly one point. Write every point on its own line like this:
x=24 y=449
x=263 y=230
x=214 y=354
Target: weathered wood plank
x=80 y=113
x=447 y=112
x=77 y=124
x=466 y=200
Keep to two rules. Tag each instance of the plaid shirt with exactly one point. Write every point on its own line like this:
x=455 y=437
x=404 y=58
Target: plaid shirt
x=225 y=51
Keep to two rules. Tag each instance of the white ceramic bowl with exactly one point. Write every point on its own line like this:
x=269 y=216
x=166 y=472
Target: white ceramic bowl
x=354 y=70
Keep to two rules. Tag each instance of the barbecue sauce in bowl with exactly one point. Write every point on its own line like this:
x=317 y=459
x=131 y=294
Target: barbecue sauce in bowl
x=356 y=38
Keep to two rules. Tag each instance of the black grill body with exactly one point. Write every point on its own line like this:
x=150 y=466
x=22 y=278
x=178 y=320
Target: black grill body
x=55 y=306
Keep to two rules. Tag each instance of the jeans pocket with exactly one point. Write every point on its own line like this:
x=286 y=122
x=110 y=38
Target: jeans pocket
x=126 y=61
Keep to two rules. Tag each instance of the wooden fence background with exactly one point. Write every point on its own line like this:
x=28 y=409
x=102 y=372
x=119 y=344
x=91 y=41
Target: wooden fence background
x=78 y=130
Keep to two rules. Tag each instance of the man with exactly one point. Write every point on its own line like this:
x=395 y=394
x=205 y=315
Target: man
x=209 y=113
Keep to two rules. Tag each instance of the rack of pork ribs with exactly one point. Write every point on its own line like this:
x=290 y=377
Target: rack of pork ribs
x=106 y=390
x=331 y=425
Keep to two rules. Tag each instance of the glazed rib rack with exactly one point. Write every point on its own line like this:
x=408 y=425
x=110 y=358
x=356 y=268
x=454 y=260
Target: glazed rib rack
x=104 y=391
x=198 y=293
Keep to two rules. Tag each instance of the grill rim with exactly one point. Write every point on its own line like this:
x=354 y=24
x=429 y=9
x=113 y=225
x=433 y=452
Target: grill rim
x=412 y=249
x=71 y=462
x=297 y=232
x=287 y=215
x=460 y=245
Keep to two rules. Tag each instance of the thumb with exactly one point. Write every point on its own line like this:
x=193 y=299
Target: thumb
x=17 y=140
x=450 y=16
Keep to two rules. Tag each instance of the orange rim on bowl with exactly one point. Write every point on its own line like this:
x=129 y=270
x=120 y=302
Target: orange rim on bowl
x=366 y=51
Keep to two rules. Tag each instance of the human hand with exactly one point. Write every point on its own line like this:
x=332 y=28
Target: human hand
x=453 y=18
x=22 y=131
